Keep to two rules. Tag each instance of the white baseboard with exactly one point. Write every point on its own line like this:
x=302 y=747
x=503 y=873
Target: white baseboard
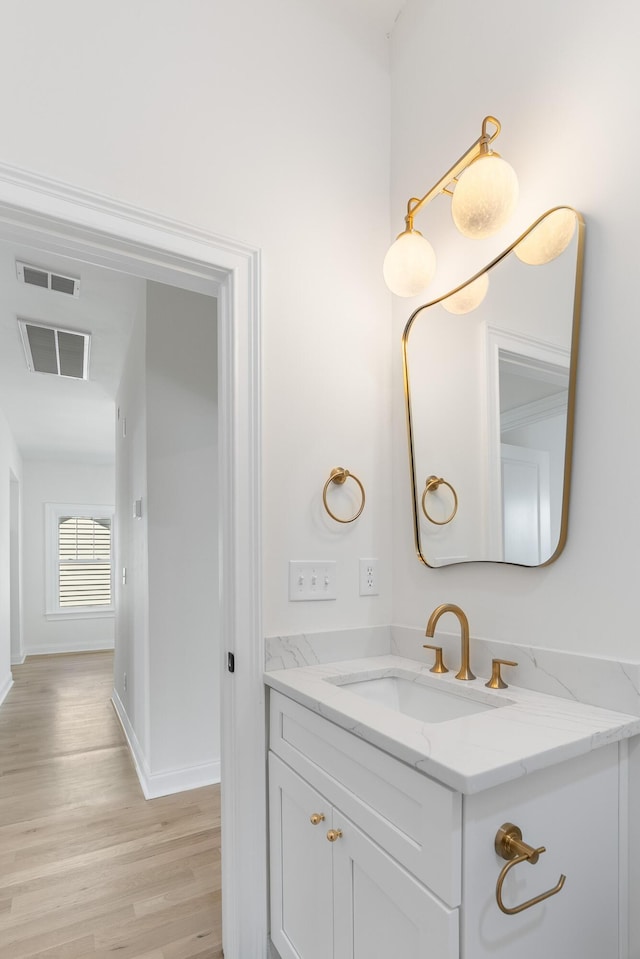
x=135 y=748
x=43 y=648
x=5 y=687
x=178 y=780
x=19 y=662
x=168 y=781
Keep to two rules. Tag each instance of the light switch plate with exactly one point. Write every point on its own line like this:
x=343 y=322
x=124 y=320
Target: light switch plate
x=312 y=580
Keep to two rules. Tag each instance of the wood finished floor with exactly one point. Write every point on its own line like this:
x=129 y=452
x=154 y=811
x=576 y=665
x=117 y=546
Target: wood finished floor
x=88 y=867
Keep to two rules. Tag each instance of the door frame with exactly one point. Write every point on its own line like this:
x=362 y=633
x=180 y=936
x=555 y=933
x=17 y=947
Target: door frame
x=535 y=353
x=60 y=218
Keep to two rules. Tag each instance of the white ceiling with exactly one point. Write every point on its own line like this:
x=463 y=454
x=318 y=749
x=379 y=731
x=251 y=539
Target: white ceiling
x=381 y=13
x=58 y=417
x=61 y=418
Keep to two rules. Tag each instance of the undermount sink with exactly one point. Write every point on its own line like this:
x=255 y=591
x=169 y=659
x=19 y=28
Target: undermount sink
x=415 y=699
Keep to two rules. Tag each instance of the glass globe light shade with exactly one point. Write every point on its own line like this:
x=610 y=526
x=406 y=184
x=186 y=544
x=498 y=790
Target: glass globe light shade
x=550 y=238
x=409 y=265
x=469 y=297
x=484 y=197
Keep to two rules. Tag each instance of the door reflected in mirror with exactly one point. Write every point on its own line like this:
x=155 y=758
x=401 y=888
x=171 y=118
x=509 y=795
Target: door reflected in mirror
x=490 y=397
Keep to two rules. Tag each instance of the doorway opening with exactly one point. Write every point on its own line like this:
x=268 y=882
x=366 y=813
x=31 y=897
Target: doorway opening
x=53 y=217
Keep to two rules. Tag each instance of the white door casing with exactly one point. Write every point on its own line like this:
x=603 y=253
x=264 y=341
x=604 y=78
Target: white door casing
x=59 y=218
x=529 y=350
x=526 y=505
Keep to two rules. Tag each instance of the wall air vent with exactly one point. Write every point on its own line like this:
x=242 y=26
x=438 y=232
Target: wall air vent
x=46 y=280
x=50 y=350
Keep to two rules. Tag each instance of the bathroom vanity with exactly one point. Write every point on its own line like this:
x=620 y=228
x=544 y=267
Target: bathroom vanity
x=384 y=810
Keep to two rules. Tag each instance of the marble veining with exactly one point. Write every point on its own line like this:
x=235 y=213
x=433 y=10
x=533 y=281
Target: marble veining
x=530 y=730
x=590 y=679
x=586 y=679
x=310 y=649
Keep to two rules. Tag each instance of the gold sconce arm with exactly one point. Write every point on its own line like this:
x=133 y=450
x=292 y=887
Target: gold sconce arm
x=481 y=145
x=482 y=200
x=509 y=845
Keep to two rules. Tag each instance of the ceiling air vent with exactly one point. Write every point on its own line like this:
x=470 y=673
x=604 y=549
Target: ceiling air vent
x=46 y=280
x=50 y=350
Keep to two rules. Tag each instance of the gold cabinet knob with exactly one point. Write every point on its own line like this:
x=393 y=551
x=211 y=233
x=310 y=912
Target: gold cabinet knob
x=316 y=817
x=496 y=681
x=334 y=834
x=438 y=666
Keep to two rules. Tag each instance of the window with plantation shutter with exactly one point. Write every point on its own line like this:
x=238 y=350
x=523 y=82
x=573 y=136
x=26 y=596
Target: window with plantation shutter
x=84 y=556
x=80 y=560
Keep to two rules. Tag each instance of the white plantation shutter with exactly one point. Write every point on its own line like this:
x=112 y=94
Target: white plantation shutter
x=84 y=561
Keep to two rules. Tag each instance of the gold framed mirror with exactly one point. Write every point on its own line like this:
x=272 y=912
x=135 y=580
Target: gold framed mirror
x=489 y=376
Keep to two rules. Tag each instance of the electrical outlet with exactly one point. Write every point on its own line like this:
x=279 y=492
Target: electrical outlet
x=369 y=577
x=312 y=580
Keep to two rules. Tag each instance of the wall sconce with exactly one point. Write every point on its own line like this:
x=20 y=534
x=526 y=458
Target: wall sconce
x=469 y=297
x=549 y=239
x=484 y=192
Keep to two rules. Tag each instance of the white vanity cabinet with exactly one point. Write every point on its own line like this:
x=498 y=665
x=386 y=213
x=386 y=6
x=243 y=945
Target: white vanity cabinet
x=344 y=898
x=372 y=859
x=364 y=894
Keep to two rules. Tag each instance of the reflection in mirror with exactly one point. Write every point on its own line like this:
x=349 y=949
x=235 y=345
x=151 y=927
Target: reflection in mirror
x=490 y=381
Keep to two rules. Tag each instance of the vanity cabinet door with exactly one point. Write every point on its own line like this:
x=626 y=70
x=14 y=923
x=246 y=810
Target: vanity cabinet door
x=409 y=815
x=301 y=867
x=345 y=899
x=380 y=910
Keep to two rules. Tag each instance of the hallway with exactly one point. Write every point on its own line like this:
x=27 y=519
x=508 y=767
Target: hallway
x=88 y=867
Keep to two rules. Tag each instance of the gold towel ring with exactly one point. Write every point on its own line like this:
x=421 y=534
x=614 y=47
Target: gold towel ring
x=340 y=475
x=433 y=482
x=509 y=845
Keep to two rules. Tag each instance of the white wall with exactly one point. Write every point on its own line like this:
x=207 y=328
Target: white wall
x=562 y=78
x=10 y=466
x=47 y=481
x=537 y=76
x=15 y=567
x=182 y=524
x=167 y=636
x=267 y=122
x=131 y=658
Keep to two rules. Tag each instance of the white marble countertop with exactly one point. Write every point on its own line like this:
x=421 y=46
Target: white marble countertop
x=529 y=731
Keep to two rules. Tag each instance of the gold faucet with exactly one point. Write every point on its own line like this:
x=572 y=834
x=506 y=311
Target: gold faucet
x=464 y=672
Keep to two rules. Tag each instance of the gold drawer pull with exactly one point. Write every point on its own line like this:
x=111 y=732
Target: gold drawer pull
x=334 y=834
x=316 y=818
x=509 y=845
